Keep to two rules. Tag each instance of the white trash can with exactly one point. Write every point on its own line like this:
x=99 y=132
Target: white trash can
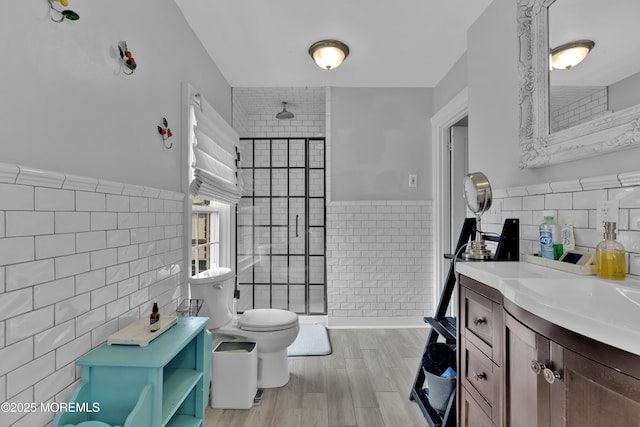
x=234 y=375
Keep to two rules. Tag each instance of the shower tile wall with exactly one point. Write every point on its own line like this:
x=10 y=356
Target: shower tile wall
x=79 y=259
x=254 y=111
x=272 y=228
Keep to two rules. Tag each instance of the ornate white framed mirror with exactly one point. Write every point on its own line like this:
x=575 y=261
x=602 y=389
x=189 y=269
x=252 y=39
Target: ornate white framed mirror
x=613 y=128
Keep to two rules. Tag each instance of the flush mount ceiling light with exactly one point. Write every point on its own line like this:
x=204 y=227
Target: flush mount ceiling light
x=570 y=54
x=329 y=54
x=284 y=114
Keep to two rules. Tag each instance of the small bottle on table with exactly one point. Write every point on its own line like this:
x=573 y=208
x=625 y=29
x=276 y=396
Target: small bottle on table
x=154 y=319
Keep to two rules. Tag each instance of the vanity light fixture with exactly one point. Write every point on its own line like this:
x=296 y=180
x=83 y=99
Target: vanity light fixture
x=329 y=54
x=570 y=54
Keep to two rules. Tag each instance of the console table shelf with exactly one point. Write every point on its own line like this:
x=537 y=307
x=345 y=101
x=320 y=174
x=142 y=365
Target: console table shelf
x=163 y=384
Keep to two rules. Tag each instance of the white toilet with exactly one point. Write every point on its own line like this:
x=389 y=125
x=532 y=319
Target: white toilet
x=273 y=330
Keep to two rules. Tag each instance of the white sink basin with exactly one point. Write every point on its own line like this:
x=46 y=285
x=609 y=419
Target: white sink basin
x=604 y=301
x=605 y=310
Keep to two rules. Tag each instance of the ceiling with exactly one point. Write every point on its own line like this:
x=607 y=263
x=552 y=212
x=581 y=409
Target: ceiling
x=399 y=43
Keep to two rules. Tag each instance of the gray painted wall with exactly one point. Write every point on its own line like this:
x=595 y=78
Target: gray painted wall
x=625 y=93
x=67 y=107
x=378 y=137
x=451 y=84
x=494 y=112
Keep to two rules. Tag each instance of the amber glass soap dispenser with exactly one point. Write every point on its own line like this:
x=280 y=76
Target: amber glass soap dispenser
x=154 y=318
x=610 y=256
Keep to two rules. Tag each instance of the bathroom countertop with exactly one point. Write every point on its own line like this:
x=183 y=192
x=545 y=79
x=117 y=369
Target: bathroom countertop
x=605 y=310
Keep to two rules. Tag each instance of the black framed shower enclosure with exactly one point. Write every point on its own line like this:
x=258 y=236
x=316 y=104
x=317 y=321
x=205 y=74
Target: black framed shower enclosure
x=281 y=225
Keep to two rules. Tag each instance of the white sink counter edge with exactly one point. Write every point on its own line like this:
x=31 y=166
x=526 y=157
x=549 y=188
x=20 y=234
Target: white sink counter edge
x=604 y=310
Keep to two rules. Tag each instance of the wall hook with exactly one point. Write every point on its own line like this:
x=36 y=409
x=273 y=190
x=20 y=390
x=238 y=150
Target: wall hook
x=62 y=14
x=165 y=133
x=126 y=59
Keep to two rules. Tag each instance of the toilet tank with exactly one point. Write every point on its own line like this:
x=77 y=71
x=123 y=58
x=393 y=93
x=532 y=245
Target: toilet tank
x=215 y=288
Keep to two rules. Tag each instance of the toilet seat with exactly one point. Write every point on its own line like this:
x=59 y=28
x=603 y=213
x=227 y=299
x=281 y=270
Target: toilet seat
x=267 y=319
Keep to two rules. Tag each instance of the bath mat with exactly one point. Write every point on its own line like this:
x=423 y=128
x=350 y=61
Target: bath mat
x=312 y=340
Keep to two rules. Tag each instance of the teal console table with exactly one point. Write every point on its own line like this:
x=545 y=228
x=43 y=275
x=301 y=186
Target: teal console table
x=163 y=384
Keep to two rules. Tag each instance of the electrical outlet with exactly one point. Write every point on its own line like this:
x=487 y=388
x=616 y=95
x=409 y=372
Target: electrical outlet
x=606 y=210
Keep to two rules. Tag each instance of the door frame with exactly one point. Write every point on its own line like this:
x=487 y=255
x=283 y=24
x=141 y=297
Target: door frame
x=441 y=122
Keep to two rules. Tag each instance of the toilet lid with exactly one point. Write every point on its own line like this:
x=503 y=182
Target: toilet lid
x=267 y=319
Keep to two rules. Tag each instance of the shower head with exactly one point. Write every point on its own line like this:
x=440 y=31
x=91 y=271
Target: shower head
x=284 y=114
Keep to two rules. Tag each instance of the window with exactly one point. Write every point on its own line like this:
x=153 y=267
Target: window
x=212 y=182
x=205 y=239
x=210 y=235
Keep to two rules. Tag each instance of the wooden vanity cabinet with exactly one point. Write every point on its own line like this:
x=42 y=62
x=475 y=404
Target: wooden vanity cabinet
x=527 y=393
x=547 y=375
x=576 y=390
x=597 y=395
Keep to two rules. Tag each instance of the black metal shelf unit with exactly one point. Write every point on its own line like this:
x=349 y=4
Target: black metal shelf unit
x=445 y=328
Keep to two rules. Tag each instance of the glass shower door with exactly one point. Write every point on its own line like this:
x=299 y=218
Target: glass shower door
x=281 y=233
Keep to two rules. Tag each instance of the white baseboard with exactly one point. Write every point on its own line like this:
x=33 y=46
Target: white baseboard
x=376 y=322
x=364 y=322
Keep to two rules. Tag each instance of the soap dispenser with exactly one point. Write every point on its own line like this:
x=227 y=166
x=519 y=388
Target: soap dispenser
x=610 y=256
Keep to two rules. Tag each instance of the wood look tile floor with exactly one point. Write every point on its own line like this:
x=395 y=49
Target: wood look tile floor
x=365 y=382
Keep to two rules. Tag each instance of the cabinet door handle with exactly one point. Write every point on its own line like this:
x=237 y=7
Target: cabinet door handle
x=480 y=376
x=297 y=216
x=537 y=367
x=479 y=320
x=551 y=376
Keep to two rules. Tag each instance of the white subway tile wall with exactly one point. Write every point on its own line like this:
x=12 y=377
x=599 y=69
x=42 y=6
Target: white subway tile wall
x=77 y=263
x=573 y=202
x=579 y=111
x=380 y=259
x=254 y=111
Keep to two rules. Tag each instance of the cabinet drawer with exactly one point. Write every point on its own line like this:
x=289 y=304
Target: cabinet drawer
x=482 y=323
x=481 y=373
x=472 y=414
x=479 y=319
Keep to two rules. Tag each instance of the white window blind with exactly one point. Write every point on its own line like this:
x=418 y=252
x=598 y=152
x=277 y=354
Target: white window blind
x=214 y=154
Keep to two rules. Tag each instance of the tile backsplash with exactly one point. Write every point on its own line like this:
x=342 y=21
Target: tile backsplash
x=573 y=202
x=80 y=258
